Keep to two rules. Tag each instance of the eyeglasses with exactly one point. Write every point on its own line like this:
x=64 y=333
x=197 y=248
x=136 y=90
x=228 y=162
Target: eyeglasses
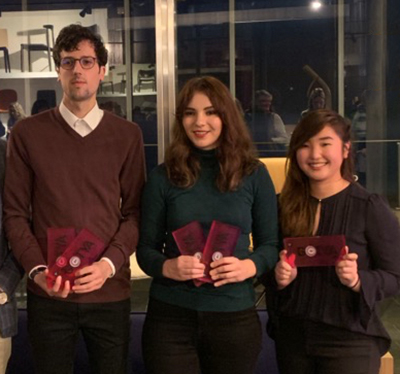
x=68 y=63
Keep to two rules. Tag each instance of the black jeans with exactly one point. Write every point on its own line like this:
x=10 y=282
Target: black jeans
x=54 y=327
x=177 y=340
x=305 y=347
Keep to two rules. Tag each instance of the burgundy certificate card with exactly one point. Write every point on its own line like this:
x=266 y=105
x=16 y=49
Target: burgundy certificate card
x=58 y=240
x=221 y=242
x=83 y=251
x=315 y=250
x=190 y=239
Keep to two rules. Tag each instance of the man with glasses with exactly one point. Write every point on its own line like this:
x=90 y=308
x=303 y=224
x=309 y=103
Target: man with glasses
x=78 y=167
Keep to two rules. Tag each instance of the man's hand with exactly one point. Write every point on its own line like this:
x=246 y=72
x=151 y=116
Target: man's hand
x=183 y=268
x=56 y=291
x=231 y=270
x=92 y=277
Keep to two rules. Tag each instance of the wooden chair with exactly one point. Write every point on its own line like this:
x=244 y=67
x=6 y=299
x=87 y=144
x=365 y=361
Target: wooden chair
x=146 y=78
x=107 y=81
x=136 y=271
x=33 y=47
x=276 y=169
x=387 y=364
x=7 y=96
x=4 y=48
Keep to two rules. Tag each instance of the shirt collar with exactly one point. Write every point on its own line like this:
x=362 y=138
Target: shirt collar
x=92 y=119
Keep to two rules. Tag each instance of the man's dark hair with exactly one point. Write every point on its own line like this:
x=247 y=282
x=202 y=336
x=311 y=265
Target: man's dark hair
x=69 y=38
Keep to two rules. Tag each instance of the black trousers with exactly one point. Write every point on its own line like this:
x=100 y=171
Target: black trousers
x=180 y=341
x=305 y=347
x=54 y=327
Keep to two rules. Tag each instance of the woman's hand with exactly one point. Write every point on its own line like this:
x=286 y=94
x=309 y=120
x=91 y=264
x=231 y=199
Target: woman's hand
x=231 y=270
x=347 y=270
x=183 y=268
x=284 y=273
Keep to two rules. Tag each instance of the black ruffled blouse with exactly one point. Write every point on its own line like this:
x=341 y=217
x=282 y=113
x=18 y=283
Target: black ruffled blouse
x=372 y=231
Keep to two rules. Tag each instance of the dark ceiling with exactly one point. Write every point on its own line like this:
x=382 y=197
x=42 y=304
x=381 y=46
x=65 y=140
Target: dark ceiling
x=16 y=5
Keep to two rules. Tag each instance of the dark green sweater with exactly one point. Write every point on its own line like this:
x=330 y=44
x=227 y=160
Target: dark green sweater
x=166 y=208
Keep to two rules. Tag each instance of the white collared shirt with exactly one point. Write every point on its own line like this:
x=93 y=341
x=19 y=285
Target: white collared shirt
x=83 y=126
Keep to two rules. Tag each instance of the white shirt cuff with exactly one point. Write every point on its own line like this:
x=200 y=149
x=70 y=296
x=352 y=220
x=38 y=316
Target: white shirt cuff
x=113 y=271
x=36 y=267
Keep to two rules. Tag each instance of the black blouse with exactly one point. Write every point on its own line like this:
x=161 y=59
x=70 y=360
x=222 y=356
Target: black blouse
x=372 y=231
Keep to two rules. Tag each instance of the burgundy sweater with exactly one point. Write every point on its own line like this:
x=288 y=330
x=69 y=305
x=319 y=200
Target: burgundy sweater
x=56 y=178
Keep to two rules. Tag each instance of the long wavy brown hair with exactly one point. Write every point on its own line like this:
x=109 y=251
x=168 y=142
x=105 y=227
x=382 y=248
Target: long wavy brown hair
x=235 y=151
x=297 y=212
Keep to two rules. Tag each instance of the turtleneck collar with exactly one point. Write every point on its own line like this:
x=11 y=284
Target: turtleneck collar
x=205 y=153
x=206 y=157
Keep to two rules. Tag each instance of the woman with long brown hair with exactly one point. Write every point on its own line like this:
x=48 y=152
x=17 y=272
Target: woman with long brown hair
x=324 y=318
x=211 y=173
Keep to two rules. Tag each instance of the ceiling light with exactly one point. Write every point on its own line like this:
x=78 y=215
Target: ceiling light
x=316 y=5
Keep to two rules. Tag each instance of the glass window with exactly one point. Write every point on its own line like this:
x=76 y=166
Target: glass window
x=279 y=50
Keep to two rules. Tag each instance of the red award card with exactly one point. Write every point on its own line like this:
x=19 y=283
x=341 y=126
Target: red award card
x=221 y=242
x=58 y=240
x=315 y=250
x=190 y=239
x=83 y=251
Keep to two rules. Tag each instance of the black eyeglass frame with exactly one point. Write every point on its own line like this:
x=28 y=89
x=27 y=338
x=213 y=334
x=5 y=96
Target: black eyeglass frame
x=80 y=62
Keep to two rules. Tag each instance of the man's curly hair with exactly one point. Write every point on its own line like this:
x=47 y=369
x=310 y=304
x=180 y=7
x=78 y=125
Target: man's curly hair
x=69 y=38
